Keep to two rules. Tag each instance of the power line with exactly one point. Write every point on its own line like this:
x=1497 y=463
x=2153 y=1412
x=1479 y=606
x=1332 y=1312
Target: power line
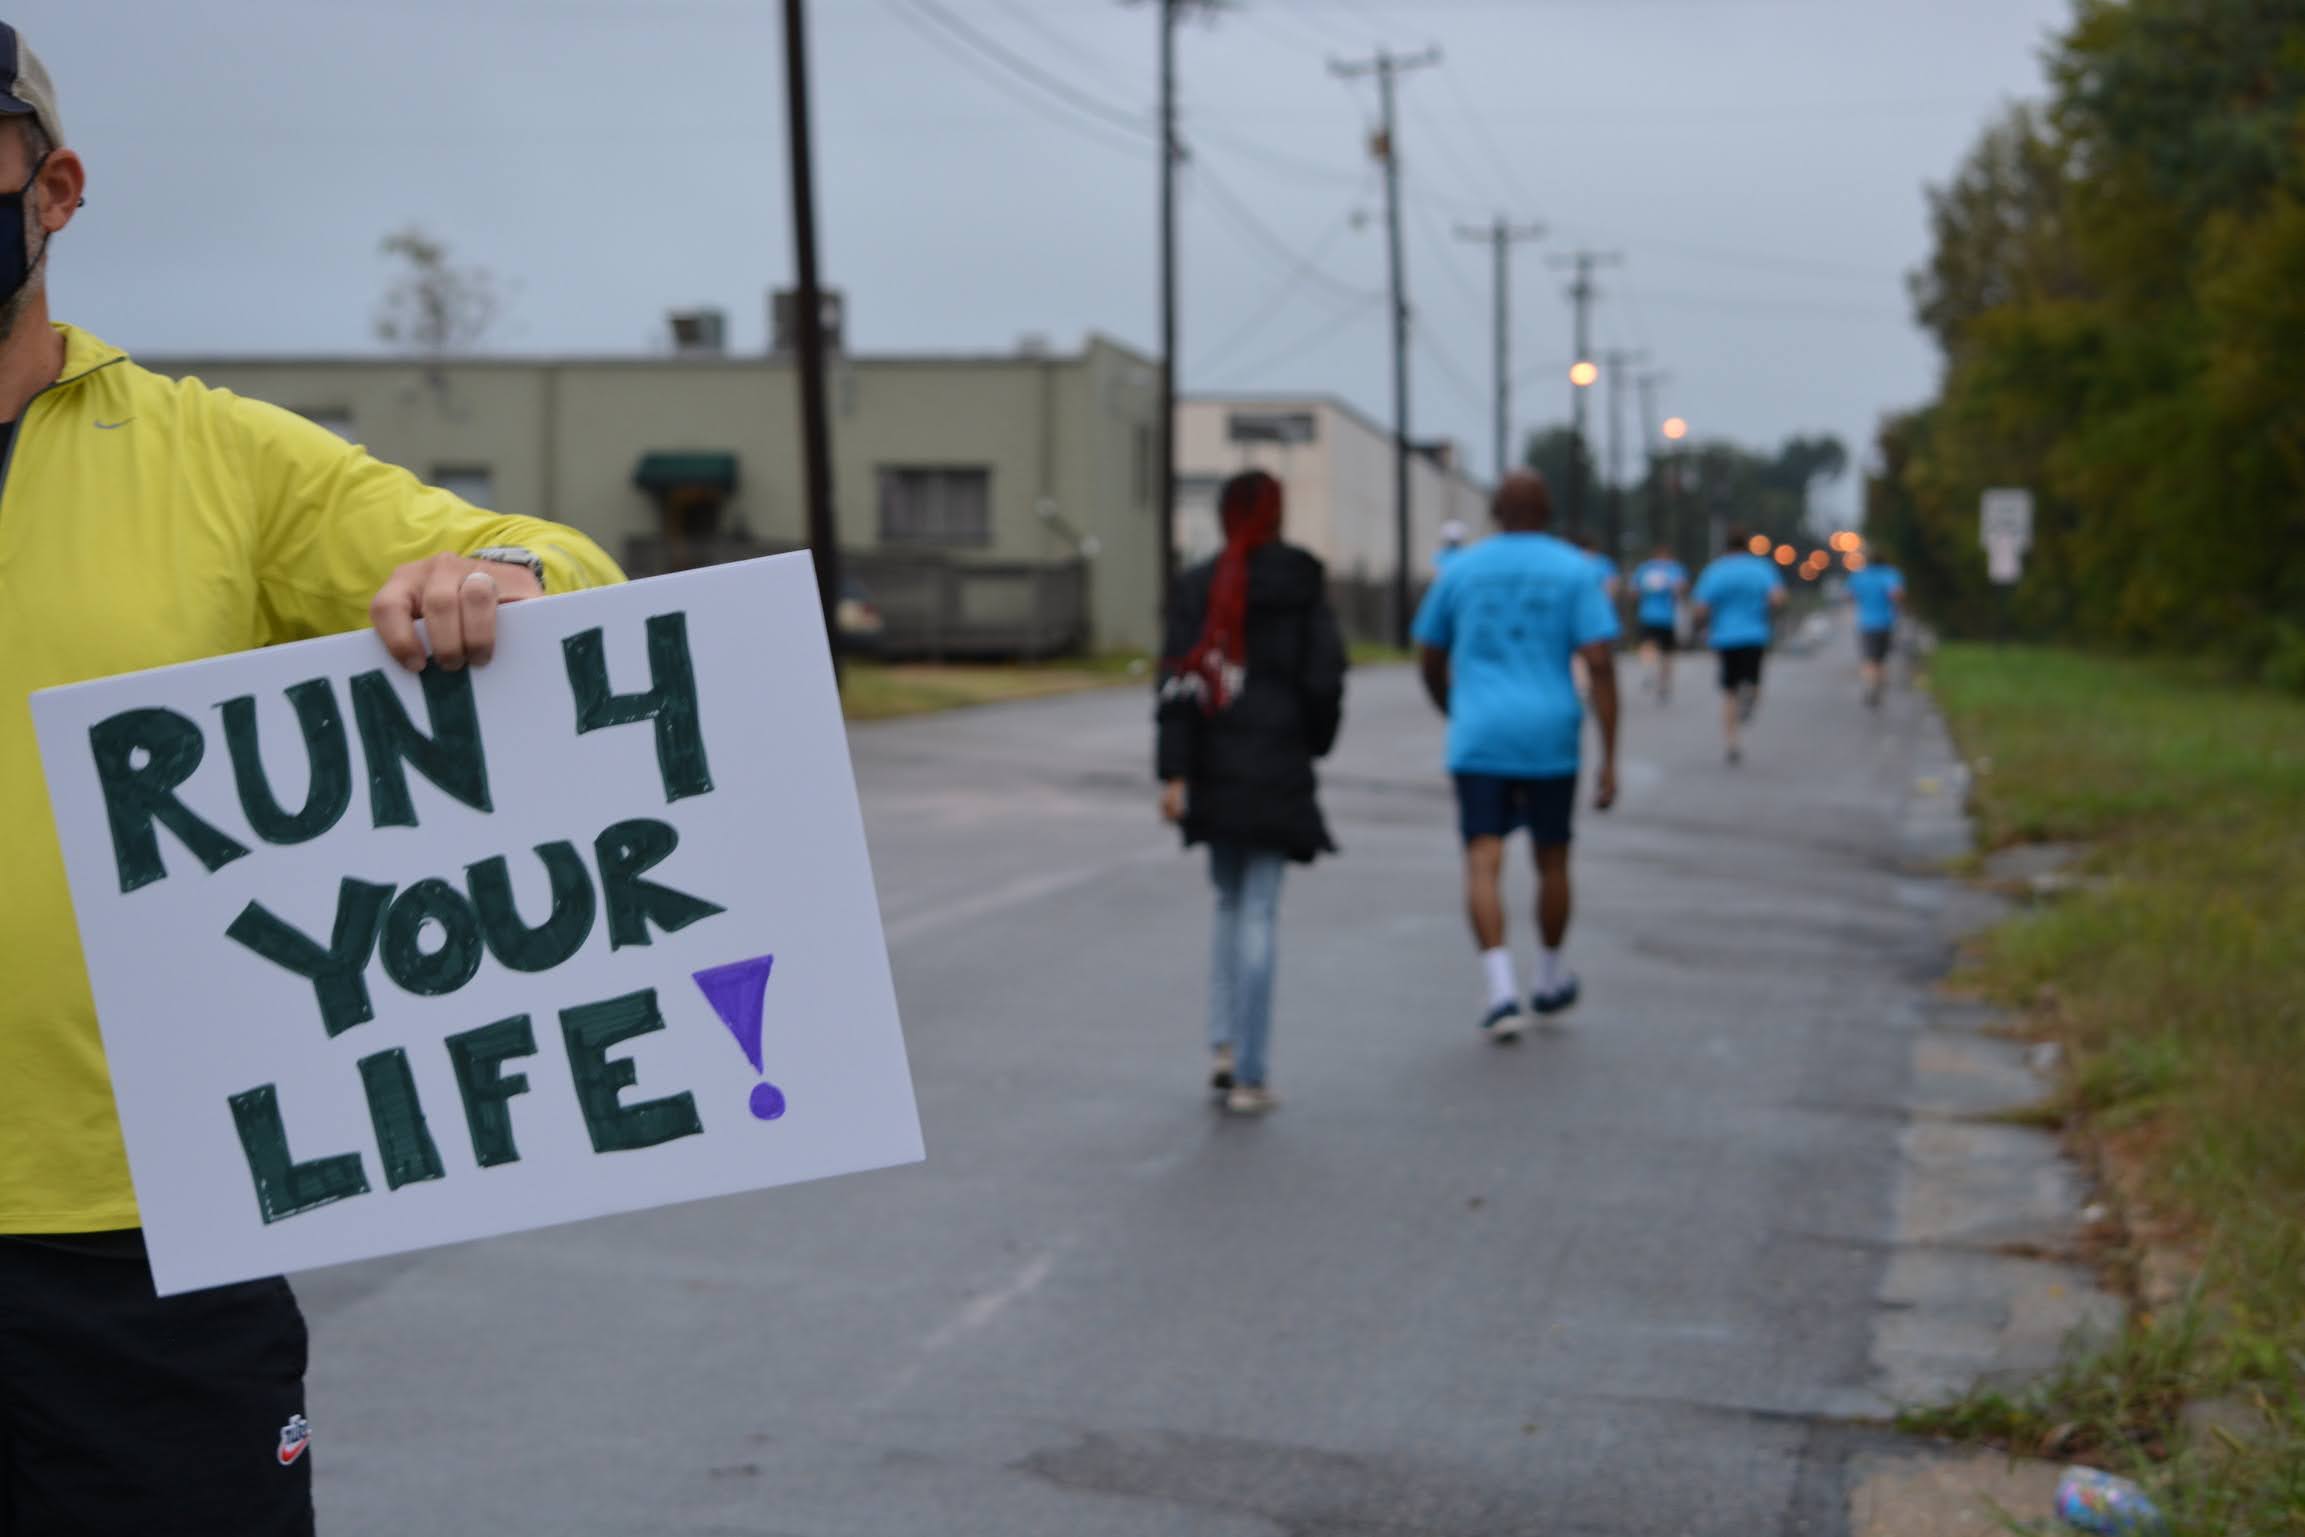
x=1459 y=377
x=1025 y=69
x=1329 y=328
x=1276 y=302
x=1507 y=177
x=1094 y=128
x=1456 y=158
x=1253 y=222
x=1463 y=283
x=1280 y=160
x=1034 y=22
x=1763 y=301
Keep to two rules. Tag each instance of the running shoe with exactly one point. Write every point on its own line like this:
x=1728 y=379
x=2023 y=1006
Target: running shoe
x=1559 y=998
x=1250 y=1099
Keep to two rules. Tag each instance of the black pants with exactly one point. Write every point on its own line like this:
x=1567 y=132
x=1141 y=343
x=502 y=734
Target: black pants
x=125 y=1413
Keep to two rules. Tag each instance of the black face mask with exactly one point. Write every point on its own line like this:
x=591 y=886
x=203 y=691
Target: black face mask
x=16 y=261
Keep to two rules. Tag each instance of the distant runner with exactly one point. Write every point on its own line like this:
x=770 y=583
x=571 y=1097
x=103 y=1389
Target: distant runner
x=1879 y=591
x=1454 y=537
x=1603 y=566
x=1661 y=582
x=1496 y=635
x=1737 y=598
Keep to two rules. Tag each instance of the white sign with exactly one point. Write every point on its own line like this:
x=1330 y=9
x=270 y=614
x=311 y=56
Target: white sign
x=2004 y=558
x=384 y=962
x=2008 y=514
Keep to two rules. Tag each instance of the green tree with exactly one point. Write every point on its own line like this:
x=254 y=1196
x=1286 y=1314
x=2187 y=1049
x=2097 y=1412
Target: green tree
x=2118 y=285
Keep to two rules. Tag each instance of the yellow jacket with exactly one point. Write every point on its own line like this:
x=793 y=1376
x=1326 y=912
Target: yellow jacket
x=144 y=521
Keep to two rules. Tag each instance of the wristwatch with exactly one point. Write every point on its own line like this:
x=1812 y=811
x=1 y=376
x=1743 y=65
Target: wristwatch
x=514 y=555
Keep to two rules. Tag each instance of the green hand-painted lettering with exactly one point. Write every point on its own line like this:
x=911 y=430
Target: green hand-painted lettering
x=623 y=853
x=329 y=789
x=136 y=795
x=398 y=1116
x=439 y=972
x=451 y=757
x=564 y=930
x=336 y=973
x=590 y=1030
x=479 y=1057
x=670 y=701
x=285 y=1187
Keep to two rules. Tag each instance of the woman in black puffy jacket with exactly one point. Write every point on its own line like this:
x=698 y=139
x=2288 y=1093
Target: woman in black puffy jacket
x=1252 y=692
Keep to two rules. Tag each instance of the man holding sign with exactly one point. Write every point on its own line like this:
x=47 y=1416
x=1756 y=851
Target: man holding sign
x=144 y=522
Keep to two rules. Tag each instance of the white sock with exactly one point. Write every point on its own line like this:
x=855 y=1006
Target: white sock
x=1504 y=987
x=1550 y=972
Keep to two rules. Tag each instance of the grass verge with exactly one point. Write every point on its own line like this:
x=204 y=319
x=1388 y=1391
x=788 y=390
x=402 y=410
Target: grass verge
x=884 y=690
x=2176 y=985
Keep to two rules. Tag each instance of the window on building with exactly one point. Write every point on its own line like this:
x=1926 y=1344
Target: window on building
x=337 y=419
x=944 y=505
x=1271 y=427
x=476 y=483
x=1147 y=473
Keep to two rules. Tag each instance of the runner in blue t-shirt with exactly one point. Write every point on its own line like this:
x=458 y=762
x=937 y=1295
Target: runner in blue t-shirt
x=1497 y=633
x=1737 y=597
x=1879 y=591
x=1660 y=582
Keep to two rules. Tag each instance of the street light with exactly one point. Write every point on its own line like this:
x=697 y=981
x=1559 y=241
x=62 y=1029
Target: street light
x=1675 y=429
x=1582 y=373
x=1758 y=544
x=1785 y=554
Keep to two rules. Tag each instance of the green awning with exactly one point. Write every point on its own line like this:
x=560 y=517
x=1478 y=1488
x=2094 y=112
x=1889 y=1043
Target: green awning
x=685 y=470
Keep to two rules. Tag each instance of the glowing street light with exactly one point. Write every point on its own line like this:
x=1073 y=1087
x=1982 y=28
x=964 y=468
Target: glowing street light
x=1785 y=554
x=1583 y=372
x=1758 y=544
x=1854 y=561
x=1675 y=429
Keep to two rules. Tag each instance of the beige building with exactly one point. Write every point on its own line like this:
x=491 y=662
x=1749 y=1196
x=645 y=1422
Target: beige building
x=1336 y=468
x=997 y=504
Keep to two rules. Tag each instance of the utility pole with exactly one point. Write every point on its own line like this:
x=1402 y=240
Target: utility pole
x=1171 y=156
x=1500 y=236
x=1165 y=478
x=808 y=301
x=1386 y=66
x=1653 y=514
x=1616 y=367
x=1581 y=294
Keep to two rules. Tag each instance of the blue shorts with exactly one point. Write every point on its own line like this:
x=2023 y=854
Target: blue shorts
x=1492 y=806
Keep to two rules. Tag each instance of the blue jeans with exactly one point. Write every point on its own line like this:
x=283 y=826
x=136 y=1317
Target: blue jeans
x=1248 y=883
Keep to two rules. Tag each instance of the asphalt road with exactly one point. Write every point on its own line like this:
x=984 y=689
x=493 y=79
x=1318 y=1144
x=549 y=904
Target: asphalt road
x=1619 y=1279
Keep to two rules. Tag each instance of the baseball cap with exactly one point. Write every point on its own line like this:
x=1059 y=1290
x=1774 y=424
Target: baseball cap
x=25 y=89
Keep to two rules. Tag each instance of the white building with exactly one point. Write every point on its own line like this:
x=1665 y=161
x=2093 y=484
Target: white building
x=1335 y=467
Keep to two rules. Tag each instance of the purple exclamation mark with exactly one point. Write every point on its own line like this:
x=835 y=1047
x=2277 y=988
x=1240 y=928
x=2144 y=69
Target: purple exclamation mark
x=735 y=992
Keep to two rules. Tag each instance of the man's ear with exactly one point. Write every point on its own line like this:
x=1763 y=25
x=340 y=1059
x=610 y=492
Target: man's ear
x=62 y=182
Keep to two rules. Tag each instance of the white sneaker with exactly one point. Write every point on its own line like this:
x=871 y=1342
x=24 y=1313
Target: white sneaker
x=1250 y=1099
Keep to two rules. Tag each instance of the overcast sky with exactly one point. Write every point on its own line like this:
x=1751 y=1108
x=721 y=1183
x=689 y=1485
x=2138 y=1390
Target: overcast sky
x=1759 y=164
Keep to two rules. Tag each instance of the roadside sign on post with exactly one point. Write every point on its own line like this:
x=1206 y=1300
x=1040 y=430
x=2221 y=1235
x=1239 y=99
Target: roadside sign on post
x=2004 y=558
x=383 y=961
x=2007 y=514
